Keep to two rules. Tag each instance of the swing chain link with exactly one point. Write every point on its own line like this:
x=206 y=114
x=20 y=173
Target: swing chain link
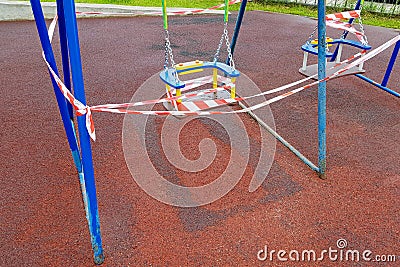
x=228 y=47
x=225 y=37
x=364 y=39
x=168 y=51
x=221 y=41
x=311 y=37
x=169 y=56
x=166 y=62
x=344 y=34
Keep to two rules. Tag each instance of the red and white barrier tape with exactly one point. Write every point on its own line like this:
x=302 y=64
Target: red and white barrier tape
x=224 y=88
x=159 y=13
x=334 y=21
x=353 y=14
x=82 y=109
x=191 y=84
x=163 y=100
x=204 y=104
x=347 y=27
x=355 y=63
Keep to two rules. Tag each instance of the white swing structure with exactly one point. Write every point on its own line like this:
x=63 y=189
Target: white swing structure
x=336 y=21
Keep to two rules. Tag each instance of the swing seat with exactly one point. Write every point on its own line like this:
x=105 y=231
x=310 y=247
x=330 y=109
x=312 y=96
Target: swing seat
x=311 y=70
x=313 y=48
x=168 y=76
x=204 y=101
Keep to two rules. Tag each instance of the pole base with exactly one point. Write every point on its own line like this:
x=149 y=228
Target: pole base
x=99 y=259
x=322 y=176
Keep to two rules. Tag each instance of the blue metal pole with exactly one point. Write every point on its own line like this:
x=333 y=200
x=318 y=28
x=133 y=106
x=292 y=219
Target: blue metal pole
x=384 y=88
x=391 y=64
x=281 y=139
x=321 y=89
x=262 y=123
x=237 y=27
x=389 y=69
x=64 y=52
x=48 y=51
x=345 y=33
x=86 y=151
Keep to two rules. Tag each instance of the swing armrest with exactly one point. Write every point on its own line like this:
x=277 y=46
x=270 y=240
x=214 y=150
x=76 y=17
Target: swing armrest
x=168 y=75
x=312 y=49
x=351 y=43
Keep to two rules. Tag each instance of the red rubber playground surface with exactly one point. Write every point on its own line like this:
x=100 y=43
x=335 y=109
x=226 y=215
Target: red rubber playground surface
x=42 y=219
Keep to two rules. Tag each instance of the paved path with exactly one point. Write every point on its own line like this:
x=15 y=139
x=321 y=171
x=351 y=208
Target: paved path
x=21 y=10
x=42 y=220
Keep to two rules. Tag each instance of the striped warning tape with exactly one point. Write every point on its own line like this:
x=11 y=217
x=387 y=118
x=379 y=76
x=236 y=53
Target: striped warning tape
x=192 y=84
x=207 y=104
x=347 y=27
x=167 y=99
x=195 y=106
x=82 y=109
x=227 y=85
x=343 y=26
x=344 y=15
x=334 y=21
x=159 y=13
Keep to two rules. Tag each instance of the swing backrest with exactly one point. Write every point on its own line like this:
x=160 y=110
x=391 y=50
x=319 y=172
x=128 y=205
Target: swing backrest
x=168 y=76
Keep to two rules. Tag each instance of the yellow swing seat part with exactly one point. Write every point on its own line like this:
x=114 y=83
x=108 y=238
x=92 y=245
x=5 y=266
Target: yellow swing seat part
x=193 y=66
x=329 y=41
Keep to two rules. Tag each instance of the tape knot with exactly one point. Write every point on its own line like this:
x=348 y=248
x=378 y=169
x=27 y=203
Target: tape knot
x=83 y=110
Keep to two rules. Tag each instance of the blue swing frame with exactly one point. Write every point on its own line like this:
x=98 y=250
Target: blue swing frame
x=72 y=68
x=312 y=49
x=82 y=155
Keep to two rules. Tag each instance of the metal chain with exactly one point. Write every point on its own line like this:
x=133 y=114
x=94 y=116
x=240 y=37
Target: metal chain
x=225 y=37
x=166 y=62
x=168 y=50
x=169 y=56
x=228 y=47
x=364 y=39
x=343 y=36
x=221 y=41
x=311 y=37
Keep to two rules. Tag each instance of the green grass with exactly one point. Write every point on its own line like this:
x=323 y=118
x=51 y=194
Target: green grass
x=155 y=3
x=369 y=18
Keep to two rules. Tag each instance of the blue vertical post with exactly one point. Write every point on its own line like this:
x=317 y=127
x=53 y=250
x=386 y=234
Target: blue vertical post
x=321 y=89
x=391 y=64
x=86 y=151
x=64 y=52
x=237 y=27
x=48 y=51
